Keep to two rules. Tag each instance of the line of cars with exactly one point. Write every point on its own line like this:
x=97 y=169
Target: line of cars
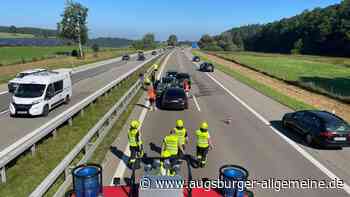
x=204 y=66
x=170 y=92
x=140 y=56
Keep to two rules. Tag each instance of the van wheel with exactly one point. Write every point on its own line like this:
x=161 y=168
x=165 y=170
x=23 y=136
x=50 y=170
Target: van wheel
x=46 y=111
x=67 y=100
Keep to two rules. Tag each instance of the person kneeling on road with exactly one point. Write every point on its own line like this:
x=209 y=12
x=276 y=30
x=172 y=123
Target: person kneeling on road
x=204 y=144
x=135 y=142
x=181 y=133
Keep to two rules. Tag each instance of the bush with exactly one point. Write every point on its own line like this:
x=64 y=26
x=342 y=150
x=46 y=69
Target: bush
x=75 y=53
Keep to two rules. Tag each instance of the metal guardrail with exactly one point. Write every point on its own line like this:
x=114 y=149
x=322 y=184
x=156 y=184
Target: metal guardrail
x=29 y=141
x=100 y=130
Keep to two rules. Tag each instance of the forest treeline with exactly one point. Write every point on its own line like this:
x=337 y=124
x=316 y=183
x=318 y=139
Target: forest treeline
x=322 y=31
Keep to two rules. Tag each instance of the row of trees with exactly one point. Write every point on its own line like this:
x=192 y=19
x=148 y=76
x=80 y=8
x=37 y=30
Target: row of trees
x=37 y=32
x=320 y=31
x=148 y=42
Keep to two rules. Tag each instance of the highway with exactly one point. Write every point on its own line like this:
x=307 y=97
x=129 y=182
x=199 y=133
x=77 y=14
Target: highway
x=85 y=83
x=253 y=138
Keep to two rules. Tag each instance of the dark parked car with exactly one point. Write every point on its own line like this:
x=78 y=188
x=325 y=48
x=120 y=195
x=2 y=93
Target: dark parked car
x=181 y=77
x=196 y=59
x=126 y=57
x=319 y=127
x=174 y=98
x=206 y=67
x=171 y=73
x=154 y=52
x=141 y=56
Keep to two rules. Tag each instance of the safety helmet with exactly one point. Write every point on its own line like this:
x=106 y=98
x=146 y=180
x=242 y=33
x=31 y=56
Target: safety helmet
x=204 y=126
x=135 y=124
x=179 y=123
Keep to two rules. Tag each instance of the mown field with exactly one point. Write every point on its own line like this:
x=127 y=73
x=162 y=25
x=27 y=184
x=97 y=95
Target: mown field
x=11 y=35
x=326 y=75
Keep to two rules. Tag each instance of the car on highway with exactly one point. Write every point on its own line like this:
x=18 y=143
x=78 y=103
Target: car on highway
x=196 y=59
x=319 y=127
x=206 y=67
x=154 y=52
x=180 y=77
x=13 y=84
x=174 y=98
x=38 y=93
x=126 y=57
x=163 y=84
x=141 y=56
x=171 y=73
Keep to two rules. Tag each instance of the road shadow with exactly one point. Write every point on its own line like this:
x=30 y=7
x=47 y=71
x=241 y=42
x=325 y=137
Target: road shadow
x=155 y=148
x=142 y=105
x=295 y=136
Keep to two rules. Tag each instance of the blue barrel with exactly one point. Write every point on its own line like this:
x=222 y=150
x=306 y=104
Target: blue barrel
x=234 y=178
x=87 y=180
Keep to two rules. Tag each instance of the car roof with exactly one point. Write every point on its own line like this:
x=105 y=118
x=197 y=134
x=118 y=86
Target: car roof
x=175 y=89
x=33 y=70
x=171 y=71
x=183 y=74
x=42 y=77
x=326 y=116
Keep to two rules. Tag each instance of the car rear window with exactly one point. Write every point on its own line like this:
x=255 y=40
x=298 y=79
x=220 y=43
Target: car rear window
x=182 y=76
x=175 y=94
x=338 y=126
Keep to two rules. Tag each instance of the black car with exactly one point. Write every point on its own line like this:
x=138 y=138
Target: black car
x=196 y=59
x=174 y=98
x=319 y=127
x=141 y=57
x=181 y=77
x=162 y=85
x=154 y=52
x=126 y=57
x=171 y=73
x=206 y=67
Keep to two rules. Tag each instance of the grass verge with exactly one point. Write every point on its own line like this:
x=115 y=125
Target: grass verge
x=264 y=89
x=328 y=76
x=28 y=171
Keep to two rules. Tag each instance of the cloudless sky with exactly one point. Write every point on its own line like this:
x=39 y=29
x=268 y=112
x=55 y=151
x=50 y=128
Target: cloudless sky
x=188 y=19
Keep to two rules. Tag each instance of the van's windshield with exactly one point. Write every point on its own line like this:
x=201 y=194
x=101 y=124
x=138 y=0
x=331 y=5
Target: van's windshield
x=29 y=90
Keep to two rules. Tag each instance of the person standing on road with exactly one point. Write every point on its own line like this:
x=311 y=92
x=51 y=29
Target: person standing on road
x=204 y=144
x=153 y=77
x=171 y=144
x=155 y=67
x=151 y=97
x=135 y=142
x=181 y=133
x=186 y=87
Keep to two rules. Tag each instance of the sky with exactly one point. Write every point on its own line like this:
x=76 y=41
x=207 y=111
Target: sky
x=188 y=19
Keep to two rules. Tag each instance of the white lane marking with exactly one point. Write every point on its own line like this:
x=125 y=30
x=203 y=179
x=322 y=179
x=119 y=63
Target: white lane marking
x=4 y=112
x=5 y=92
x=196 y=102
x=240 y=101
x=121 y=166
x=302 y=151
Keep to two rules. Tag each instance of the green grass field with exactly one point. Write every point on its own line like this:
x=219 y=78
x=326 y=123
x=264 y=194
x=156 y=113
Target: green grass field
x=326 y=75
x=11 y=35
x=11 y=55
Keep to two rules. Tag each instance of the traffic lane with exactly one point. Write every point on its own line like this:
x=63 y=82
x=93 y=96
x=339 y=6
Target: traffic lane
x=158 y=124
x=76 y=77
x=15 y=128
x=248 y=142
x=336 y=160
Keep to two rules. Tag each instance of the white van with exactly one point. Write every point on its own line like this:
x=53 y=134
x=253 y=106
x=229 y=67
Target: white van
x=13 y=84
x=40 y=92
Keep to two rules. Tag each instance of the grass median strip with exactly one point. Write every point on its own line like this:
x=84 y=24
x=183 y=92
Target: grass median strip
x=264 y=89
x=29 y=171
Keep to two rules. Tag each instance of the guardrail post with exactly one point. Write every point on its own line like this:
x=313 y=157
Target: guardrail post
x=3 y=174
x=82 y=112
x=32 y=149
x=54 y=133
x=70 y=122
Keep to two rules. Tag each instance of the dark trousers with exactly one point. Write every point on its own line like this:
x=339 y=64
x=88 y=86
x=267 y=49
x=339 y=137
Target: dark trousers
x=203 y=152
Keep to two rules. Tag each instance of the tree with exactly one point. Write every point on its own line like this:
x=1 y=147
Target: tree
x=73 y=24
x=13 y=29
x=149 y=41
x=298 y=46
x=172 y=40
x=95 y=49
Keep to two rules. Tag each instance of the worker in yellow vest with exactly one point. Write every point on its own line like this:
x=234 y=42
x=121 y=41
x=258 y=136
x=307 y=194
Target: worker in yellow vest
x=204 y=144
x=171 y=144
x=155 y=67
x=181 y=133
x=135 y=142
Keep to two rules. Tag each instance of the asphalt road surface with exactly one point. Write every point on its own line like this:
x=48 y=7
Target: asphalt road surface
x=253 y=137
x=85 y=84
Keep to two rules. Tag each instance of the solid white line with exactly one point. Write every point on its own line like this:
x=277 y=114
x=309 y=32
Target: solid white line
x=195 y=101
x=302 y=151
x=121 y=166
x=5 y=92
x=4 y=112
